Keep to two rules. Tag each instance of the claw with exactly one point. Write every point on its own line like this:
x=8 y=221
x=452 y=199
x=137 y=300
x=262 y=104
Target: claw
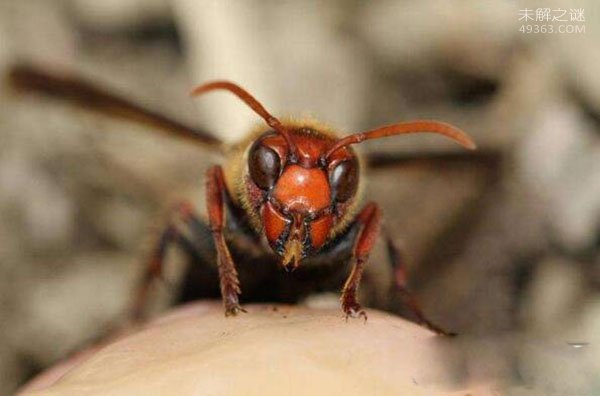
x=234 y=309
x=364 y=315
x=355 y=311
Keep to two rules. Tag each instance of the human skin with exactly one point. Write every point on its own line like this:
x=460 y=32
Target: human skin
x=271 y=350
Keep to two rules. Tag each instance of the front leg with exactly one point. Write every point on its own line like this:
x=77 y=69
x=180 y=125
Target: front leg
x=369 y=219
x=230 y=285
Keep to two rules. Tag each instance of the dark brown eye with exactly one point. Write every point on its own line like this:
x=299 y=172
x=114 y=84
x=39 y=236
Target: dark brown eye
x=264 y=166
x=344 y=180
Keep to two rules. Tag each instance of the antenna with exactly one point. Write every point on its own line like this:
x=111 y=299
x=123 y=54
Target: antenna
x=418 y=126
x=254 y=104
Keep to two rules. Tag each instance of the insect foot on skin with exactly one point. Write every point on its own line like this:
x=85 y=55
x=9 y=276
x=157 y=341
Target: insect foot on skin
x=290 y=190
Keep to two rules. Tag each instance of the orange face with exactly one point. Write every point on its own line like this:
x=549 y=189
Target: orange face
x=300 y=197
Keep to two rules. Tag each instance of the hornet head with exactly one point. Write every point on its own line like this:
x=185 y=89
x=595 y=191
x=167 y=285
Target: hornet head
x=301 y=182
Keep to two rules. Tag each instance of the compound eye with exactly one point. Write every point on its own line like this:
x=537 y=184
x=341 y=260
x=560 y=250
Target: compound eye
x=264 y=166
x=344 y=180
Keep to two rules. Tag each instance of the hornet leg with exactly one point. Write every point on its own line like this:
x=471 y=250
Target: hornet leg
x=230 y=285
x=183 y=216
x=369 y=219
x=401 y=284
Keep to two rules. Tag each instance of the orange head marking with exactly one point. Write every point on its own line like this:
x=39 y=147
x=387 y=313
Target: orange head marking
x=303 y=190
x=301 y=182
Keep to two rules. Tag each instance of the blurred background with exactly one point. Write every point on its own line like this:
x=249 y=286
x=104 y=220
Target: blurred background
x=503 y=249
